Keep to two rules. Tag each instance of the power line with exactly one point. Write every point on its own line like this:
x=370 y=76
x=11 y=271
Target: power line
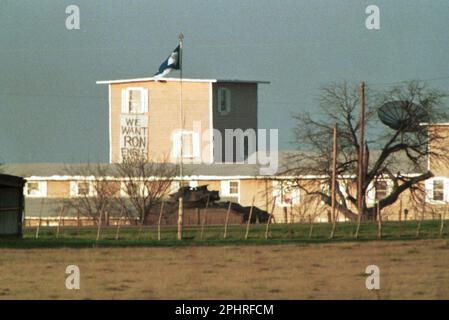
x=405 y=81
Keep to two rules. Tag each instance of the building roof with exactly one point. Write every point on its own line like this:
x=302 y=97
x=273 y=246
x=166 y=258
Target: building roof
x=216 y=171
x=62 y=171
x=178 y=79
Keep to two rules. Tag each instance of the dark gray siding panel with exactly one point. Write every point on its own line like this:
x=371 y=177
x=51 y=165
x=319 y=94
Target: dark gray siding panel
x=243 y=113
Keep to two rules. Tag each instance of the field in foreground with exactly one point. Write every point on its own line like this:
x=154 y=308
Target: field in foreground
x=409 y=270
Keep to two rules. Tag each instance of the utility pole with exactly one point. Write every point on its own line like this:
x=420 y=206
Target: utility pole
x=334 y=170
x=181 y=116
x=361 y=157
x=334 y=180
x=181 y=111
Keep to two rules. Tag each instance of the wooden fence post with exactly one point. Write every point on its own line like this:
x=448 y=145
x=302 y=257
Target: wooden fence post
x=59 y=221
x=160 y=221
x=418 y=228
x=249 y=218
x=401 y=224
x=359 y=222
x=269 y=217
x=118 y=223
x=78 y=222
x=99 y=224
x=204 y=218
x=198 y=217
x=311 y=227
x=40 y=218
x=141 y=225
x=180 y=217
x=225 y=235
x=442 y=216
x=290 y=227
x=379 y=221
x=285 y=214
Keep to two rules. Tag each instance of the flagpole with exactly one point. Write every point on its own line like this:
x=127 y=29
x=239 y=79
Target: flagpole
x=181 y=111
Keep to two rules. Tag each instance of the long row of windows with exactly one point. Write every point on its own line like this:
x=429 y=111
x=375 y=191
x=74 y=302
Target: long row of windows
x=87 y=188
x=135 y=100
x=286 y=192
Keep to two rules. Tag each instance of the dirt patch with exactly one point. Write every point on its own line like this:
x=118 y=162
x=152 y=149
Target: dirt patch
x=418 y=269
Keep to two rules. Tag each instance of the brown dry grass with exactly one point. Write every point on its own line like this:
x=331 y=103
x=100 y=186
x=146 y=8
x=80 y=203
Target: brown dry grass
x=409 y=270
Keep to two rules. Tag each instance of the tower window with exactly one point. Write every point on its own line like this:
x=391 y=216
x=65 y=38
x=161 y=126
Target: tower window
x=134 y=100
x=224 y=101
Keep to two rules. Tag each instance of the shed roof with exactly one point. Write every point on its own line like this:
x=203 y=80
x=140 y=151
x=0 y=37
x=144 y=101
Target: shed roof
x=11 y=181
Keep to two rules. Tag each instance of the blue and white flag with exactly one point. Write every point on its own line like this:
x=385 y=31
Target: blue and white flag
x=172 y=63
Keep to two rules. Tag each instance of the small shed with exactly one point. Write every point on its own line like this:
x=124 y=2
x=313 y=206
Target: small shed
x=11 y=205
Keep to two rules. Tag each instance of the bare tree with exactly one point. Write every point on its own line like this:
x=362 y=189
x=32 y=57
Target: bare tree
x=309 y=207
x=145 y=184
x=389 y=153
x=95 y=191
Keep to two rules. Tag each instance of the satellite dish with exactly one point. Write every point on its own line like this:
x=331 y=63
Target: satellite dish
x=403 y=115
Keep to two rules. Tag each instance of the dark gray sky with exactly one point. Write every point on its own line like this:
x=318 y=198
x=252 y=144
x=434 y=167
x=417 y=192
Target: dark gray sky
x=51 y=110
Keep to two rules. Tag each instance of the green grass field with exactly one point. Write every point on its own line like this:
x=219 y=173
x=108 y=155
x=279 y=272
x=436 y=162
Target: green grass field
x=213 y=235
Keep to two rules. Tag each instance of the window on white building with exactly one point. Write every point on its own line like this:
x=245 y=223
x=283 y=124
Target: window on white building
x=286 y=193
x=191 y=183
x=342 y=184
x=124 y=192
x=187 y=144
x=437 y=189
x=381 y=190
x=224 y=101
x=81 y=188
x=36 y=189
x=230 y=188
x=378 y=190
x=134 y=100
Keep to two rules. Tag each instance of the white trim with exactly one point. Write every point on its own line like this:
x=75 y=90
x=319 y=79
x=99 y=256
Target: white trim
x=73 y=190
x=153 y=79
x=434 y=124
x=110 y=122
x=158 y=79
x=371 y=194
x=196 y=145
x=123 y=100
x=174 y=186
x=123 y=190
x=197 y=177
x=211 y=124
x=428 y=186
